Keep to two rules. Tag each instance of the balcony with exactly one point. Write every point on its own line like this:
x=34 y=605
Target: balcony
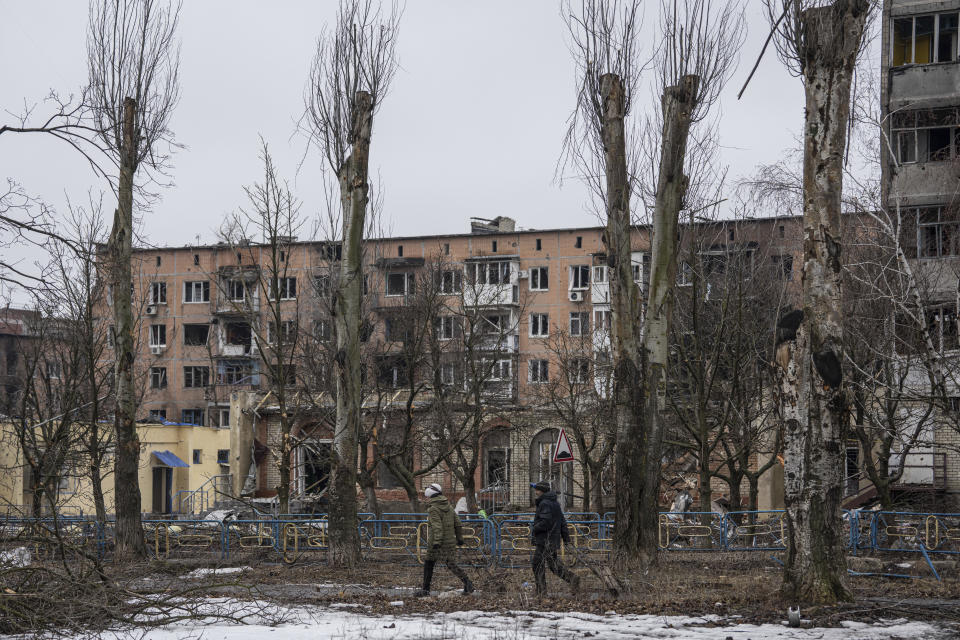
x=926 y=85
x=247 y=306
x=924 y=182
x=491 y=295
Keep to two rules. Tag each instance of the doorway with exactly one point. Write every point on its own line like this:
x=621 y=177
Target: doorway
x=162 y=485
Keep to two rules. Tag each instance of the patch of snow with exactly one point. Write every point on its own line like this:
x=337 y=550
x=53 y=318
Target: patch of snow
x=335 y=623
x=19 y=557
x=203 y=573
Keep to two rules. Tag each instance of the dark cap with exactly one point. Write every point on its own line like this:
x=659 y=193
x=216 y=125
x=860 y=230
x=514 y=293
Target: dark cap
x=540 y=486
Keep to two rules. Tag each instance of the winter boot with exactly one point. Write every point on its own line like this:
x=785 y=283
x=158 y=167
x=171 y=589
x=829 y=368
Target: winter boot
x=427 y=579
x=467 y=587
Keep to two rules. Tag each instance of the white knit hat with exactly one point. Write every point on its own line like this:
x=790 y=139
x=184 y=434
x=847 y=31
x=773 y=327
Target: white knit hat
x=433 y=490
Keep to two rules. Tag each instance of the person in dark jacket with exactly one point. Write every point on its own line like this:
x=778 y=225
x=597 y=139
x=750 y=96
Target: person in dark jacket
x=445 y=532
x=548 y=530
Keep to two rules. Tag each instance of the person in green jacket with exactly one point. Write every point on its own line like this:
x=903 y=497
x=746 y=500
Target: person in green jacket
x=446 y=535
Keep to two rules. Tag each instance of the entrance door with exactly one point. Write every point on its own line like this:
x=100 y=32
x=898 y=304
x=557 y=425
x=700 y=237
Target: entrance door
x=162 y=483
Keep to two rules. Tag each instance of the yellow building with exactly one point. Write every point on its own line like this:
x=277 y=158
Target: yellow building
x=183 y=469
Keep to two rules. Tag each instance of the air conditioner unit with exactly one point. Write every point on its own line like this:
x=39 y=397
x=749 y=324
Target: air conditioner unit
x=524 y=273
x=152 y=310
x=576 y=296
x=156 y=349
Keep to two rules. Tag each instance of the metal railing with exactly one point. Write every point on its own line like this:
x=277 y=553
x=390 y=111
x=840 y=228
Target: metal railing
x=503 y=540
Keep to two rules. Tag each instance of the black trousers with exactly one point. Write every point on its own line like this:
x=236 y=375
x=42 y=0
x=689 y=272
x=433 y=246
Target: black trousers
x=545 y=555
x=447 y=557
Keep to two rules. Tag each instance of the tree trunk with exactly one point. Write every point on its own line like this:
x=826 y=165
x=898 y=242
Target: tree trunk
x=813 y=402
x=353 y=178
x=587 y=486
x=625 y=333
x=129 y=531
x=677 y=105
x=283 y=487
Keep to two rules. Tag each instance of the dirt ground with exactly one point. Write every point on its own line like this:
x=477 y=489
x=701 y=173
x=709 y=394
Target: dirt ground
x=745 y=585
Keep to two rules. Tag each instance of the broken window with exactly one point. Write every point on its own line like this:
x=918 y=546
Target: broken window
x=157 y=415
x=195 y=417
x=239 y=333
x=195 y=334
x=539 y=371
x=783 y=267
x=400 y=283
x=924 y=39
x=197 y=291
x=236 y=290
x=539 y=325
x=237 y=372
x=937 y=234
x=196 y=377
x=498 y=370
x=158 y=335
x=493 y=324
x=539 y=279
x=928 y=135
x=321 y=285
x=579 y=323
x=579 y=276
x=158 y=377
x=158 y=293
x=397 y=328
x=392 y=371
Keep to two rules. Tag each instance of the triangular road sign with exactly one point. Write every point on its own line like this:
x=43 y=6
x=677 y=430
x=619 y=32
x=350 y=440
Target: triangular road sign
x=562 y=451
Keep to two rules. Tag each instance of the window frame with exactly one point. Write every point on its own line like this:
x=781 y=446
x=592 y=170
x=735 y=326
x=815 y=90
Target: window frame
x=190 y=373
x=285 y=284
x=161 y=331
x=409 y=284
x=158 y=378
x=539 y=325
x=576 y=278
x=582 y=319
x=157 y=293
x=190 y=289
x=542 y=276
x=538 y=371
x=935 y=43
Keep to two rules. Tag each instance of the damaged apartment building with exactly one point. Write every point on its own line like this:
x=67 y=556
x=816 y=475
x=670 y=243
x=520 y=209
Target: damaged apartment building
x=519 y=316
x=920 y=168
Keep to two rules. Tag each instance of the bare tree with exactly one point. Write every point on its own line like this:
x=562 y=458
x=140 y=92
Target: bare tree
x=819 y=41
x=349 y=79
x=694 y=61
x=133 y=62
x=263 y=291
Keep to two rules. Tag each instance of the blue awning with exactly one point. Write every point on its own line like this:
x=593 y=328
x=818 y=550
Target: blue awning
x=169 y=459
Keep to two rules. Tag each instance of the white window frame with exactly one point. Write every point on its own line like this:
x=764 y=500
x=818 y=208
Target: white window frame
x=479 y=273
x=287 y=285
x=580 y=320
x=446 y=328
x=576 y=277
x=455 y=281
x=288 y=330
x=579 y=366
x=158 y=378
x=539 y=325
x=234 y=285
x=501 y=370
x=158 y=331
x=539 y=278
x=192 y=288
x=448 y=374
x=538 y=371
x=599 y=275
x=157 y=293
x=602 y=319
x=221 y=411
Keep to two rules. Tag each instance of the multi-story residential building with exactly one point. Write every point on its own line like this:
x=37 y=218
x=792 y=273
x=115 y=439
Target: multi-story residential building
x=920 y=167
x=208 y=329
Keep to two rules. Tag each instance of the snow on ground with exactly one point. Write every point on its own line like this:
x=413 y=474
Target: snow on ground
x=203 y=573
x=340 y=623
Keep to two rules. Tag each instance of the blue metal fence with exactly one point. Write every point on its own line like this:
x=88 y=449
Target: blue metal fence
x=503 y=540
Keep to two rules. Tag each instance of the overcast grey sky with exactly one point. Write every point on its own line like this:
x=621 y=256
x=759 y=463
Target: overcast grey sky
x=472 y=127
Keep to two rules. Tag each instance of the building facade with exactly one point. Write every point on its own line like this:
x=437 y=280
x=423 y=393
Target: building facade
x=212 y=318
